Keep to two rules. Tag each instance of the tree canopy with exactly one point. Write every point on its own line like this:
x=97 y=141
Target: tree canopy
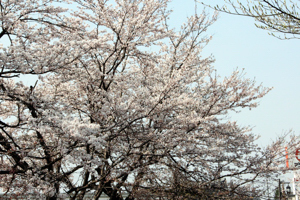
x=276 y=16
x=122 y=105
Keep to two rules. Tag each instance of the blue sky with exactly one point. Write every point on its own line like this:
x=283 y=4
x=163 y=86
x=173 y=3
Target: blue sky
x=274 y=63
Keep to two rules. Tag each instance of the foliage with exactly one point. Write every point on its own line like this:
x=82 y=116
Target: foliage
x=121 y=103
x=279 y=16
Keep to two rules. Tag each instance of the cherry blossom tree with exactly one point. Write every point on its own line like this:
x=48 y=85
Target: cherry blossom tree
x=122 y=104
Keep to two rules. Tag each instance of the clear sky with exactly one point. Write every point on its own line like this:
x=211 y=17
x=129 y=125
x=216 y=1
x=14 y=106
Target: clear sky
x=274 y=63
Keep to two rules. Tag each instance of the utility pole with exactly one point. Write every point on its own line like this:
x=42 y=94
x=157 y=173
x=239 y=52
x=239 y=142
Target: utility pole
x=279 y=189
